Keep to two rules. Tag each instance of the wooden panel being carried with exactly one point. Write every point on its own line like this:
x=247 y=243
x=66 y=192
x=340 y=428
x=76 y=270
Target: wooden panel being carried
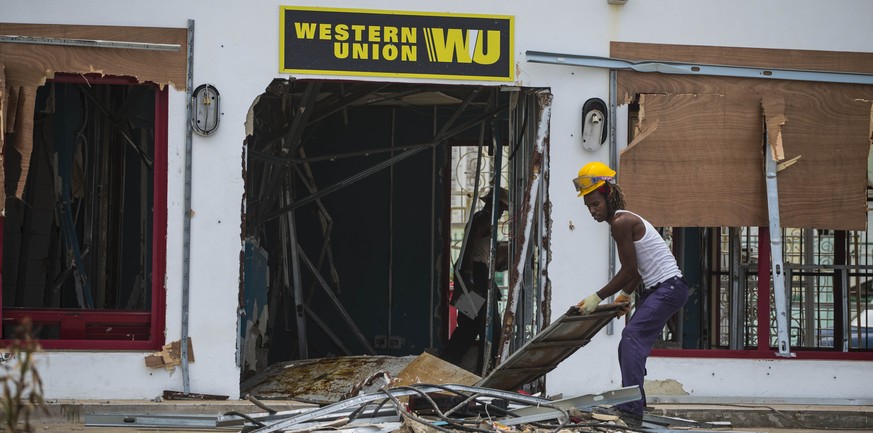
x=697 y=159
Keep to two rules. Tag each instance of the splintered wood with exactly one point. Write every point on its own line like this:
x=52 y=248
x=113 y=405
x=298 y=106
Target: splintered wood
x=170 y=356
x=3 y=104
x=427 y=368
x=27 y=66
x=697 y=159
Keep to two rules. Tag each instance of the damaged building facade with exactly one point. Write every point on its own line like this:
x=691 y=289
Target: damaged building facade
x=279 y=181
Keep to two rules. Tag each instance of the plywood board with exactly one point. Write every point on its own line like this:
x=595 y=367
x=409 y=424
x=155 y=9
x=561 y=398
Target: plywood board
x=682 y=169
x=29 y=65
x=835 y=61
x=22 y=138
x=3 y=105
x=705 y=164
x=428 y=369
x=323 y=380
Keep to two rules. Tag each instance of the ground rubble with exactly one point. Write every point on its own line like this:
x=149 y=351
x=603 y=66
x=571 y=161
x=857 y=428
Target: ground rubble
x=421 y=408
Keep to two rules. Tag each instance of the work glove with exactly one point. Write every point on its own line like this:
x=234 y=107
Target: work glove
x=589 y=304
x=622 y=298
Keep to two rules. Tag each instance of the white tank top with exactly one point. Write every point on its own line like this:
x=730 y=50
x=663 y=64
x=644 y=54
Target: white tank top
x=655 y=262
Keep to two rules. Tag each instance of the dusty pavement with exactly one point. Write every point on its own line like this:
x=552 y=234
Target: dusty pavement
x=69 y=416
x=78 y=427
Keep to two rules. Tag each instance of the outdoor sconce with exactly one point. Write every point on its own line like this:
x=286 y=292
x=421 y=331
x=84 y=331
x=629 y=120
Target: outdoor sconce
x=594 y=124
x=205 y=113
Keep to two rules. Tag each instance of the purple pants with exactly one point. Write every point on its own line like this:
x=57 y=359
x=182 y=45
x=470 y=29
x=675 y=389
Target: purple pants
x=654 y=308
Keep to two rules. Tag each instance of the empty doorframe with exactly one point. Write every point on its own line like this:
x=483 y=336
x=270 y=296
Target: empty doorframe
x=360 y=176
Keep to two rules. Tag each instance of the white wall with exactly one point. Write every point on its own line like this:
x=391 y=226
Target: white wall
x=236 y=49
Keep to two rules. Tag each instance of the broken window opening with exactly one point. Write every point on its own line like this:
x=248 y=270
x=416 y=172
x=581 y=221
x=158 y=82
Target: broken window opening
x=351 y=218
x=83 y=250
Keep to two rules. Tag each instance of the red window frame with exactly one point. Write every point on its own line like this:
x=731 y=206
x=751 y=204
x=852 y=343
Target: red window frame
x=763 y=351
x=113 y=329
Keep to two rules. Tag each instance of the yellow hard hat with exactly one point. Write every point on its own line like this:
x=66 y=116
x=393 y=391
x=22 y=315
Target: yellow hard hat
x=592 y=176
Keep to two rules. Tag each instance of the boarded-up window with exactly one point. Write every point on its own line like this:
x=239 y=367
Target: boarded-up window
x=84 y=155
x=697 y=159
x=27 y=66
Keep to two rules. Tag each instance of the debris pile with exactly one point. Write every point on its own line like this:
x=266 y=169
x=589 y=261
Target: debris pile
x=406 y=395
x=421 y=408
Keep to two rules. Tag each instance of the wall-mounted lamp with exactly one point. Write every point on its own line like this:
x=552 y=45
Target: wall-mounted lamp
x=616 y=2
x=205 y=113
x=594 y=124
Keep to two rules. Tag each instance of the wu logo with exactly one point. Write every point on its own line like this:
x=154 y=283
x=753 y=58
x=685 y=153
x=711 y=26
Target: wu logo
x=462 y=46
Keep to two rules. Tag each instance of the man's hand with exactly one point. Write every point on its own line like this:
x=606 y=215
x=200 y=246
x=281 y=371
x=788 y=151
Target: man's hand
x=589 y=304
x=622 y=298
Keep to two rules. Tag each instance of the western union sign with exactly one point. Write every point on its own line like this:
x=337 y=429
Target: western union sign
x=395 y=44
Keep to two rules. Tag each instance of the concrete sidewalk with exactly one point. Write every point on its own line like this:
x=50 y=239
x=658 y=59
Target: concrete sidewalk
x=69 y=415
x=773 y=416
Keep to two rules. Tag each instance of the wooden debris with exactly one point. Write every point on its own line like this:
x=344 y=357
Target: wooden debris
x=178 y=395
x=170 y=356
x=427 y=368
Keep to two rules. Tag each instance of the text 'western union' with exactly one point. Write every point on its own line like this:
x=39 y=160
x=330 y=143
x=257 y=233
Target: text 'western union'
x=367 y=42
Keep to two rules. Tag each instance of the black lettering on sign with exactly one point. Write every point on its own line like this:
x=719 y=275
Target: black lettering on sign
x=393 y=43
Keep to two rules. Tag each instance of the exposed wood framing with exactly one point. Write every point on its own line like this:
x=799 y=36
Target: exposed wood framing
x=699 y=140
x=24 y=100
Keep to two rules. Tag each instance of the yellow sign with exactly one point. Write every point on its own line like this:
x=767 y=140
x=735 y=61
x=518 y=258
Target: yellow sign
x=395 y=44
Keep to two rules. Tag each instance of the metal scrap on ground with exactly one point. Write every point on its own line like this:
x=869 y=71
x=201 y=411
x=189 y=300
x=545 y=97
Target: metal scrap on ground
x=371 y=400
x=424 y=394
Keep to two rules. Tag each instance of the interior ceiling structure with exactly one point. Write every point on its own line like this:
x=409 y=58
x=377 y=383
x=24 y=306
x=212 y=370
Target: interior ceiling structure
x=321 y=147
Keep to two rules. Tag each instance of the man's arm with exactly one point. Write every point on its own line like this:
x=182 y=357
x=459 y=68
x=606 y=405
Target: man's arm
x=628 y=277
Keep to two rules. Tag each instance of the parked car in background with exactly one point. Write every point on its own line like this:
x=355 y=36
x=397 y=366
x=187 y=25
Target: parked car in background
x=860 y=332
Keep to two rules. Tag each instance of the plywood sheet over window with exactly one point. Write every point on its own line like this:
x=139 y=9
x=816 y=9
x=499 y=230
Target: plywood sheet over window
x=687 y=151
x=698 y=157
x=27 y=66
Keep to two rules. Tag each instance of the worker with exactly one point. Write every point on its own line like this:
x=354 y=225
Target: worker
x=473 y=269
x=645 y=257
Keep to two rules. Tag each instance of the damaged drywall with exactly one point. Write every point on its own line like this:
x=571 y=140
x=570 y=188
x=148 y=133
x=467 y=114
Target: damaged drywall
x=24 y=99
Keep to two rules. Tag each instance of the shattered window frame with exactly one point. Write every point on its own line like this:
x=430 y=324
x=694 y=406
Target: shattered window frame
x=134 y=324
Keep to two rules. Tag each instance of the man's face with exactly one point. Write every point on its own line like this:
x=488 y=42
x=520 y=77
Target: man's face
x=596 y=203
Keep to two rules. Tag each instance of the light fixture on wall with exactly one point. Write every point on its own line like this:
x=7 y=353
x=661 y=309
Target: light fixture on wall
x=616 y=2
x=205 y=113
x=594 y=124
